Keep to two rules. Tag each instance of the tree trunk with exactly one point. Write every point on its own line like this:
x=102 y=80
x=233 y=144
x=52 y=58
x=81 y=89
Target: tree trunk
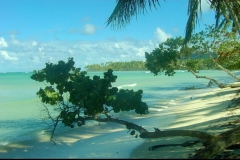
x=223 y=141
x=213 y=144
x=203 y=136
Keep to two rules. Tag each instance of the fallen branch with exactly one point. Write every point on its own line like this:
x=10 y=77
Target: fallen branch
x=185 y=144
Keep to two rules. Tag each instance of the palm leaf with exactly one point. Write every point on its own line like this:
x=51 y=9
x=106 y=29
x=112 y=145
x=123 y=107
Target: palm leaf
x=126 y=9
x=193 y=7
x=225 y=11
x=228 y=10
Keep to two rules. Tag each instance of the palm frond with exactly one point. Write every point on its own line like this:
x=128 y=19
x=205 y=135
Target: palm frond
x=229 y=10
x=220 y=12
x=225 y=11
x=126 y=9
x=193 y=7
x=233 y=7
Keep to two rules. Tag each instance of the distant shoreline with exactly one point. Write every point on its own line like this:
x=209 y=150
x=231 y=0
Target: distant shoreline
x=116 y=70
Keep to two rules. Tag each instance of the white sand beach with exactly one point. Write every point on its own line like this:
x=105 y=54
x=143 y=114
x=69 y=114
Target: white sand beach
x=108 y=140
x=201 y=113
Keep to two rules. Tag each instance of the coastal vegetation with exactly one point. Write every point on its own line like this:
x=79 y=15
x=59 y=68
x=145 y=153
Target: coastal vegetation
x=118 y=66
x=211 y=48
x=138 y=66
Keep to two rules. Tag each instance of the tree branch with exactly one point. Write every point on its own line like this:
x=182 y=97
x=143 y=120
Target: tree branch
x=157 y=133
x=224 y=69
x=223 y=141
x=220 y=85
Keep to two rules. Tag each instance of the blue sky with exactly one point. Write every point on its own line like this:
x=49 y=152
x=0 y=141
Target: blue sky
x=34 y=32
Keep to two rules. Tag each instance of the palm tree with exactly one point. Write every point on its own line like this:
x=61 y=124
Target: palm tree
x=229 y=10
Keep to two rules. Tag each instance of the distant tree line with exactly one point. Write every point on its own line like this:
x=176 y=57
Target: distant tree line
x=118 y=66
x=137 y=66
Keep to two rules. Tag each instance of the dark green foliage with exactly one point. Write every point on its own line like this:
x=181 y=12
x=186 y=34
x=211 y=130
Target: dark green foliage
x=78 y=96
x=126 y=100
x=221 y=44
x=193 y=64
x=173 y=55
x=49 y=95
x=165 y=57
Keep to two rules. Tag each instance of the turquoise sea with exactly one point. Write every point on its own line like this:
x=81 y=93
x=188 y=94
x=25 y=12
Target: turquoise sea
x=22 y=118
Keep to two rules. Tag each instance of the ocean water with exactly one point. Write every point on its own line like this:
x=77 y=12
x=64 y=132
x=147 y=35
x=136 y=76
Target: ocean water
x=22 y=116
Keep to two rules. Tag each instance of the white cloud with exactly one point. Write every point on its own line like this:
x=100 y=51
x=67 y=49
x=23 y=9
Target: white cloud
x=117 y=45
x=104 y=59
x=124 y=55
x=89 y=29
x=13 y=40
x=33 y=58
x=3 y=43
x=34 y=43
x=205 y=6
x=7 y=57
x=150 y=42
x=89 y=58
x=40 y=49
x=70 y=51
x=50 y=59
x=141 y=51
x=161 y=35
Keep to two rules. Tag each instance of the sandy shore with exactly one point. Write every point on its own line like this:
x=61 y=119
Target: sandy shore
x=203 y=113
x=199 y=113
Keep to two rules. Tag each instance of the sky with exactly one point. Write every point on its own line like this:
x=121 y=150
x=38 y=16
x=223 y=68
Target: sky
x=35 y=32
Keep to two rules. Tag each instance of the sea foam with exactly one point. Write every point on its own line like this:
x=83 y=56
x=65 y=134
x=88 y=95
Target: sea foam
x=127 y=85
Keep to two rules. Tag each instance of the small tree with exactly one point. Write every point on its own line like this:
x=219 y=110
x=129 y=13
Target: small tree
x=211 y=47
x=223 y=43
x=79 y=98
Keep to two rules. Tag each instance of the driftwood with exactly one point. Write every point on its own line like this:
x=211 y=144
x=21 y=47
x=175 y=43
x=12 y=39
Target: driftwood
x=213 y=144
x=223 y=141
